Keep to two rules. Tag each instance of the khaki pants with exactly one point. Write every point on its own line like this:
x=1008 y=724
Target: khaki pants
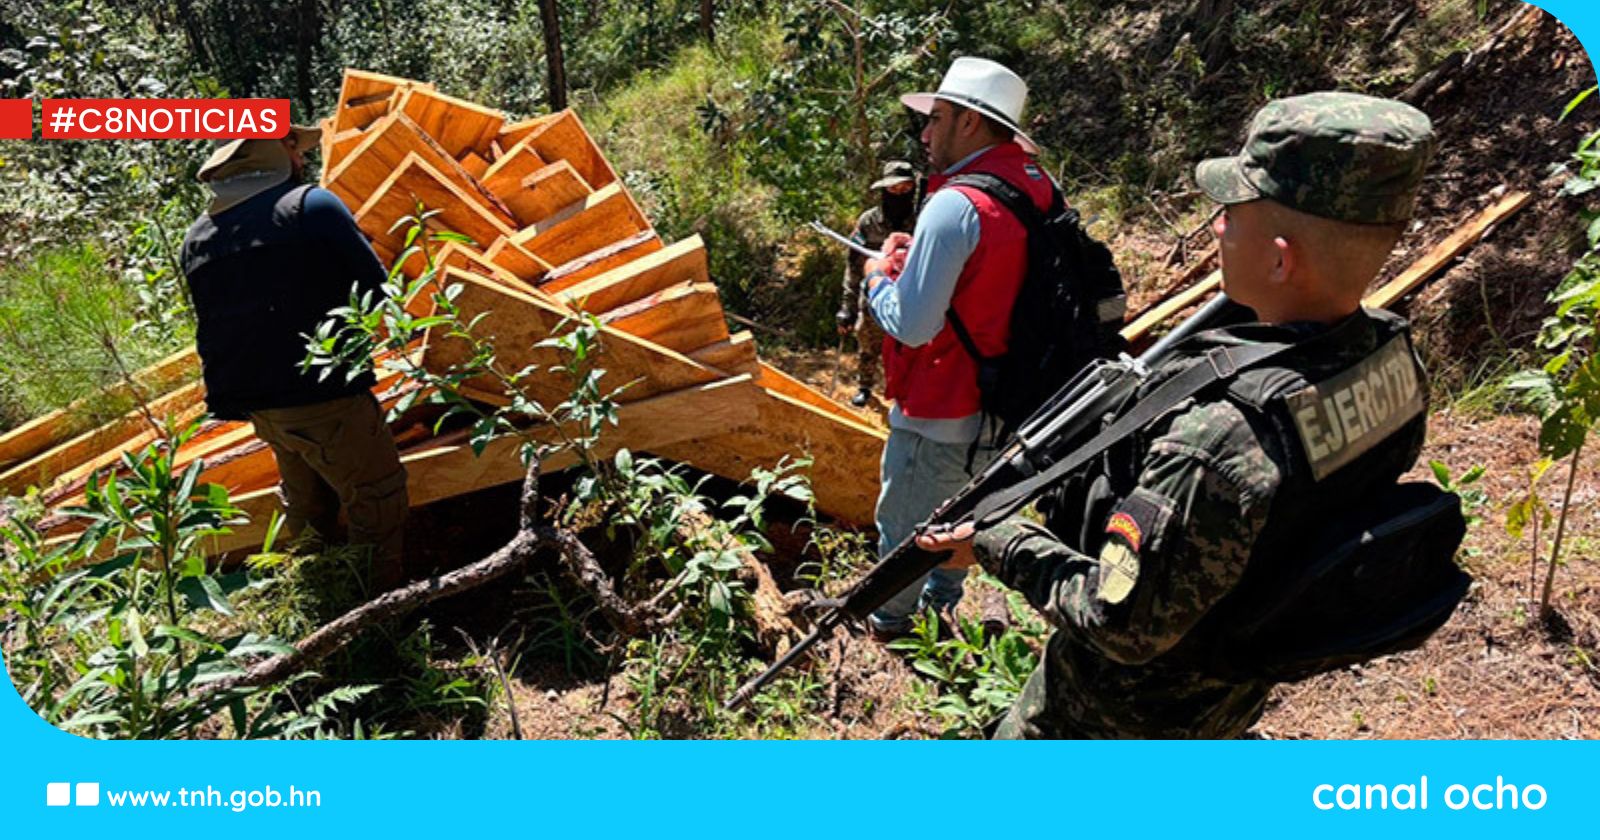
x=340 y=454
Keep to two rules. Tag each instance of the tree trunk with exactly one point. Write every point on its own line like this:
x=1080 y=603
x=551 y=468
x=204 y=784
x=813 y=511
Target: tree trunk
x=708 y=23
x=307 y=31
x=1545 y=611
x=552 y=49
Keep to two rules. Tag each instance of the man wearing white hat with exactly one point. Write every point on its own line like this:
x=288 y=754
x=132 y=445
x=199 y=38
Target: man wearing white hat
x=265 y=263
x=964 y=263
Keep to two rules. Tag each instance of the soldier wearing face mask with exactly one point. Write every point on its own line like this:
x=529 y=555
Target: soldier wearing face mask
x=896 y=212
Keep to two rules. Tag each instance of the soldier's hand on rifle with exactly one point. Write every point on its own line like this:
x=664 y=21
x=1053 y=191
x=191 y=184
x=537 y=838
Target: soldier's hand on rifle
x=957 y=540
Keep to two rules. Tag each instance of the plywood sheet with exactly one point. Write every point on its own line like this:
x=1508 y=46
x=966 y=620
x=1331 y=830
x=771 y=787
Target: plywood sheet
x=519 y=320
x=684 y=317
x=413 y=181
x=382 y=150
x=544 y=192
x=563 y=137
x=600 y=261
x=600 y=219
x=455 y=124
x=735 y=354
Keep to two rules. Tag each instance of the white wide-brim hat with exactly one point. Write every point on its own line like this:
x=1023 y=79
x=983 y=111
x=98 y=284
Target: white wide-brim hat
x=985 y=86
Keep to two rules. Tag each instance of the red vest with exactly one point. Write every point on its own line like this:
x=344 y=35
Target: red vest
x=939 y=380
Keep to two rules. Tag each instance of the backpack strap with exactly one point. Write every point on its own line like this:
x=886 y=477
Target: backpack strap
x=1013 y=199
x=1220 y=364
x=1020 y=206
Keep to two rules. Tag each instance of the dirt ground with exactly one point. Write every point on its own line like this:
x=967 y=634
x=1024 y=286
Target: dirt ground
x=1495 y=670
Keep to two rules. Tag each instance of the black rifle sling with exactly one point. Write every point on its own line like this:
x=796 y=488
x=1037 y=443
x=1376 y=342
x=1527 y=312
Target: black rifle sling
x=1021 y=207
x=1220 y=364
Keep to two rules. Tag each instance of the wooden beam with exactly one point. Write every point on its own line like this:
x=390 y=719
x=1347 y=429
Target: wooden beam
x=680 y=262
x=685 y=317
x=513 y=133
x=182 y=405
x=776 y=380
x=737 y=354
x=475 y=165
x=48 y=430
x=505 y=175
x=512 y=259
x=443 y=470
x=601 y=218
x=600 y=261
x=563 y=137
x=844 y=473
x=544 y=192
x=1139 y=329
x=416 y=180
x=383 y=148
x=518 y=320
x=1449 y=248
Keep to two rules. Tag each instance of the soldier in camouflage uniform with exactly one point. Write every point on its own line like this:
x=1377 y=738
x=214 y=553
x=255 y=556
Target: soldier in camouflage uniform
x=896 y=212
x=1139 y=555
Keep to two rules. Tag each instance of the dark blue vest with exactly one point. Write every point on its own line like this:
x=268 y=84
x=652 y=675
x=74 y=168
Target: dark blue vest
x=260 y=283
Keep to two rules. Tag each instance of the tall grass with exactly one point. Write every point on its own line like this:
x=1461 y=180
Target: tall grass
x=69 y=325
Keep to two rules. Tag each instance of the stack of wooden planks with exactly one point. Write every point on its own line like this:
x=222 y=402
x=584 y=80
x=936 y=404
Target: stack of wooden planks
x=553 y=231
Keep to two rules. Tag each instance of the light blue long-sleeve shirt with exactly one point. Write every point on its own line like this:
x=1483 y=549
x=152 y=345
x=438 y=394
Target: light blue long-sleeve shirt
x=912 y=308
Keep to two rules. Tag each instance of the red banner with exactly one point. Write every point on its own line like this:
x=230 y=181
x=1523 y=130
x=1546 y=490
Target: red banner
x=16 y=119
x=164 y=119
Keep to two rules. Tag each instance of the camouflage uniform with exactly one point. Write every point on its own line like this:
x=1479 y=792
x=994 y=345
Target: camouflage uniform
x=1139 y=555
x=872 y=228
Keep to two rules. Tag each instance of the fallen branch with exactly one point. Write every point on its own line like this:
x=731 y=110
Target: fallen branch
x=530 y=539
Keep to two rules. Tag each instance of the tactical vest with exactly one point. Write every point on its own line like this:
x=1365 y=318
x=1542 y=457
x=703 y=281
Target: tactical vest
x=1340 y=436
x=939 y=380
x=259 y=283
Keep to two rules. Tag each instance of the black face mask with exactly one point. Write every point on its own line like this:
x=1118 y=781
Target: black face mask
x=897 y=209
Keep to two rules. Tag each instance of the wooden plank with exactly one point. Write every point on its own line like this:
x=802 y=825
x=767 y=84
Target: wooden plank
x=511 y=258
x=184 y=405
x=505 y=175
x=513 y=133
x=443 y=470
x=600 y=261
x=844 y=472
x=736 y=354
x=1451 y=247
x=519 y=320
x=361 y=84
x=455 y=124
x=684 y=317
x=563 y=137
x=384 y=147
x=474 y=165
x=776 y=380
x=544 y=192
x=413 y=181
x=48 y=430
x=681 y=262
x=601 y=218
x=1136 y=331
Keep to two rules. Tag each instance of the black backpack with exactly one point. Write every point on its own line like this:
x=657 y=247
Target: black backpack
x=1068 y=312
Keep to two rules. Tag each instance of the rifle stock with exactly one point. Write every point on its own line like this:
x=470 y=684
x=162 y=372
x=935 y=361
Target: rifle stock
x=1059 y=427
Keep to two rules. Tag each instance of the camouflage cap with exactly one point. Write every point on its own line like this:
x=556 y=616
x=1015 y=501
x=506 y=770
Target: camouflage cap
x=1342 y=156
x=895 y=172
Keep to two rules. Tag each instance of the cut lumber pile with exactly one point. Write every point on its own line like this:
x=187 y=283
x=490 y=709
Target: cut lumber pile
x=553 y=232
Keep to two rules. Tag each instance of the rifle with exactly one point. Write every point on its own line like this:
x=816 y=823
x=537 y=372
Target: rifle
x=1052 y=435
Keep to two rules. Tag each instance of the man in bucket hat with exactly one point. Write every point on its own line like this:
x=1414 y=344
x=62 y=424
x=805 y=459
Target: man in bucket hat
x=895 y=213
x=264 y=264
x=1148 y=561
x=966 y=257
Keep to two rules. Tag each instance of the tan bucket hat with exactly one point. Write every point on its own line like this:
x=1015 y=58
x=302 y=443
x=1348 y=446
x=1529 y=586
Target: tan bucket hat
x=228 y=152
x=238 y=170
